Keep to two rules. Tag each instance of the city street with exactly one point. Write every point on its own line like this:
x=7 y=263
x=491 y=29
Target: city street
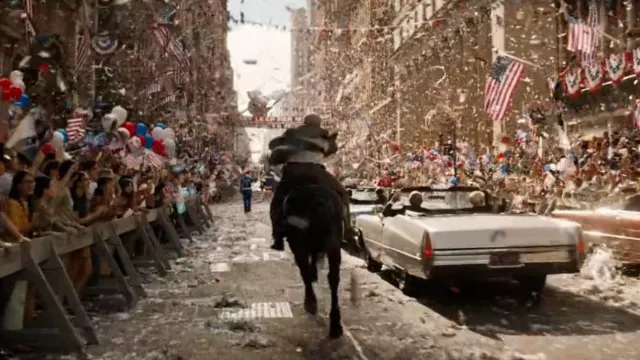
x=233 y=298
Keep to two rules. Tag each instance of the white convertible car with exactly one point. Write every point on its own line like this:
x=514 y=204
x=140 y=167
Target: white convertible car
x=447 y=238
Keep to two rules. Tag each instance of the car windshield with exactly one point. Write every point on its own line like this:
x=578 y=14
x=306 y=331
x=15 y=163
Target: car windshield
x=442 y=199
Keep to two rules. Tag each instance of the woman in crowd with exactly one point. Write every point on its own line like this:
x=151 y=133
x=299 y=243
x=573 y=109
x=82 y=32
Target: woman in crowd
x=80 y=266
x=127 y=199
x=18 y=212
x=103 y=198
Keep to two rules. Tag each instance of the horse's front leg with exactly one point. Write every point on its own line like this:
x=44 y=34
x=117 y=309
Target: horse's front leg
x=314 y=267
x=335 y=327
x=310 y=301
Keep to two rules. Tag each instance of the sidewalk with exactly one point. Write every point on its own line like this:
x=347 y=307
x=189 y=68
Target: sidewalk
x=234 y=298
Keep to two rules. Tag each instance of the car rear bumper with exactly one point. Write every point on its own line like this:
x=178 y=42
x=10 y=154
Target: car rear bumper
x=484 y=271
x=476 y=262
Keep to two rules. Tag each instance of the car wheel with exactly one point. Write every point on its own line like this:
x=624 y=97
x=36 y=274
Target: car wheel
x=372 y=265
x=533 y=283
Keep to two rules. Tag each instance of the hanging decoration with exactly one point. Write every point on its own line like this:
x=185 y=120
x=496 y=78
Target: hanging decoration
x=615 y=67
x=593 y=76
x=572 y=82
x=104 y=44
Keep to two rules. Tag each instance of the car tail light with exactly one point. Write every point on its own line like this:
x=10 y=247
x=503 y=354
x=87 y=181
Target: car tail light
x=428 y=247
x=580 y=244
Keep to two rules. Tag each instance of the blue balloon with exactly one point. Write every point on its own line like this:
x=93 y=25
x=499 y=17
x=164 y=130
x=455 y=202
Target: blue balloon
x=64 y=134
x=161 y=126
x=24 y=101
x=141 y=129
x=148 y=141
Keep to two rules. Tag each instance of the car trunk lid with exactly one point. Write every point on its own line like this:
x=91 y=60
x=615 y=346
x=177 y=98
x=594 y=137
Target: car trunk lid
x=497 y=231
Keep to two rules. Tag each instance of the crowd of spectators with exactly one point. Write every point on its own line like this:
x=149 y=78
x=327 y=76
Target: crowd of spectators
x=50 y=195
x=591 y=170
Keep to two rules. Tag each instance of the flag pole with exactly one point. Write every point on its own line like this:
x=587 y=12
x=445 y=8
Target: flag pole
x=502 y=53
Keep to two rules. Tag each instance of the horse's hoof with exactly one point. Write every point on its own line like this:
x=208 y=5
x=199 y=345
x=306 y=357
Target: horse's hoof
x=311 y=307
x=335 y=332
x=277 y=247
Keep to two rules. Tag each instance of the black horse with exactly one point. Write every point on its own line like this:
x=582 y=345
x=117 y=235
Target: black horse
x=312 y=219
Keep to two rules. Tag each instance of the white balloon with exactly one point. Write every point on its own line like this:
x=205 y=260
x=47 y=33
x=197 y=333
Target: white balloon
x=170 y=147
x=57 y=140
x=109 y=122
x=120 y=114
x=157 y=133
x=17 y=78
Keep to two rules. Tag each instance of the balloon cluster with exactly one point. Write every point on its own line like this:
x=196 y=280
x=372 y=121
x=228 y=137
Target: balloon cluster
x=161 y=140
x=12 y=90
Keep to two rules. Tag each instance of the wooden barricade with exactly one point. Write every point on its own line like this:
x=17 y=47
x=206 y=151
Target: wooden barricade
x=44 y=270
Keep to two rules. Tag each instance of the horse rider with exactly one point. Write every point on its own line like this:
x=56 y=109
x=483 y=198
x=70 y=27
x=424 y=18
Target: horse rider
x=302 y=151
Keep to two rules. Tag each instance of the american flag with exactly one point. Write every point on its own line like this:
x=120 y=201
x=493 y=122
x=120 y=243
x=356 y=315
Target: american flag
x=152 y=89
x=75 y=129
x=28 y=20
x=585 y=37
x=153 y=160
x=504 y=77
x=168 y=42
x=83 y=50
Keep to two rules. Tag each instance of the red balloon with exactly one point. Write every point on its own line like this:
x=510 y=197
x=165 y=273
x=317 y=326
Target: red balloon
x=14 y=93
x=157 y=146
x=43 y=67
x=48 y=149
x=142 y=140
x=5 y=84
x=131 y=128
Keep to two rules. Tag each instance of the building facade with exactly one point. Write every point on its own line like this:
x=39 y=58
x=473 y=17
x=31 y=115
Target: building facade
x=443 y=51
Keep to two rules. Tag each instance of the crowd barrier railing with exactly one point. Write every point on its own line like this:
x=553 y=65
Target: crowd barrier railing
x=43 y=268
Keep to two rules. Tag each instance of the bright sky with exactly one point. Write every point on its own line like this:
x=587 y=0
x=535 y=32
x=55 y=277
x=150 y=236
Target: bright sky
x=270 y=47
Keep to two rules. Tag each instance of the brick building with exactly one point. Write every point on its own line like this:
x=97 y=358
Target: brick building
x=443 y=53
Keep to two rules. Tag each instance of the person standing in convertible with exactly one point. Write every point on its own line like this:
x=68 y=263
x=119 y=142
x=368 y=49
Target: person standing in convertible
x=302 y=151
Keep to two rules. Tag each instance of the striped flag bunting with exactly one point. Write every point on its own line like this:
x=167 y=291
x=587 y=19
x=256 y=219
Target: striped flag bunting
x=152 y=89
x=132 y=162
x=152 y=159
x=585 y=37
x=83 y=49
x=502 y=81
x=75 y=129
x=30 y=29
x=166 y=41
x=594 y=22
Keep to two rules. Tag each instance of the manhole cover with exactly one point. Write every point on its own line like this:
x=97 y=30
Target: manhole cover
x=259 y=311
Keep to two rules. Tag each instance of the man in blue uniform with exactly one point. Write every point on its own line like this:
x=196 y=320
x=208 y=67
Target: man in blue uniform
x=245 y=189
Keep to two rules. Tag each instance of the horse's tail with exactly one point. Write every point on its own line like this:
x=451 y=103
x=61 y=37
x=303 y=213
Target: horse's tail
x=313 y=214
